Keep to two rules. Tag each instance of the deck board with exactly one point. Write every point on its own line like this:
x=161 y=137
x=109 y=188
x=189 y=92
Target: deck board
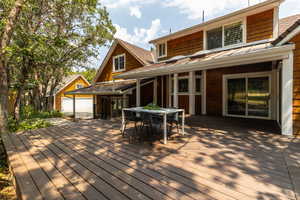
x=91 y=160
x=177 y=170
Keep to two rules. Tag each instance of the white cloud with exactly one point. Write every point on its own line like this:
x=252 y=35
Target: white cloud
x=193 y=8
x=122 y=3
x=135 y=11
x=289 y=7
x=140 y=36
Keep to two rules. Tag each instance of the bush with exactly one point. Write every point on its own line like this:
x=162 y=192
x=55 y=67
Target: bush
x=30 y=124
x=28 y=112
x=27 y=124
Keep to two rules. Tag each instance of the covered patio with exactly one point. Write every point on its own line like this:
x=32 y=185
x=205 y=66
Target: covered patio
x=218 y=158
x=253 y=80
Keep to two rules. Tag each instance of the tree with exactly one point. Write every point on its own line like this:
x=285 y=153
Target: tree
x=7 y=29
x=49 y=40
x=88 y=73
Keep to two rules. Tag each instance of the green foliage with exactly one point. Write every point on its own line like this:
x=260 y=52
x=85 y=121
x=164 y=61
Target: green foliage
x=88 y=73
x=31 y=119
x=152 y=106
x=28 y=112
x=27 y=124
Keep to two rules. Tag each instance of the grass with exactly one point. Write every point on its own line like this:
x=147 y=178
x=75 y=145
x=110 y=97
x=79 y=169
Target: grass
x=7 y=190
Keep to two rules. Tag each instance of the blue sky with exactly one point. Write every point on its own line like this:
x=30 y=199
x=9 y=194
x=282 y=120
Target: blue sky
x=138 y=21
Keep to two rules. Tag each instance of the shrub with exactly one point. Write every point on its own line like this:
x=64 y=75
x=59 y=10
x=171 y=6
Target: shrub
x=30 y=124
x=27 y=124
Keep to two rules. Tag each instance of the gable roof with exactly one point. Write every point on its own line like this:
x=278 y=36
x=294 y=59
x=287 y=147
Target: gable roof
x=142 y=55
x=254 y=9
x=288 y=28
x=287 y=22
x=67 y=81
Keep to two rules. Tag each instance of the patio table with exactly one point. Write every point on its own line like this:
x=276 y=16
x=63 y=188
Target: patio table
x=163 y=111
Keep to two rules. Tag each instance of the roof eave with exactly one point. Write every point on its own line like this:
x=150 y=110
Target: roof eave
x=266 y=55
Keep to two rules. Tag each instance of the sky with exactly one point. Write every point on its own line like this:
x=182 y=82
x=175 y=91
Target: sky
x=139 y=21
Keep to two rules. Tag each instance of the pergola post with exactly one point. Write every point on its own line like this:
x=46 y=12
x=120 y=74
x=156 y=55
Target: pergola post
x=203 y=93
x=155 y=91
x=192 y=91
x=94 y=106
x=170 y=90
x=138 y=92
x=287 y=96
x=74 y=111
x=175 y=95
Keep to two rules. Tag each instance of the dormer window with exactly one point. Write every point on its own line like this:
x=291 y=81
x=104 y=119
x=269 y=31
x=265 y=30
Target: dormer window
x=224 y=36
x=161 y=50
x=119 y=63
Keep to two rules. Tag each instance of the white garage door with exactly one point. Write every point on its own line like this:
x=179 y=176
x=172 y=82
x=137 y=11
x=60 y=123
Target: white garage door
x=82 y=105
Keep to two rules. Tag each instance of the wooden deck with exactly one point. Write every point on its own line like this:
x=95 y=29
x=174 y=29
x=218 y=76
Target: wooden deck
x=218 y=159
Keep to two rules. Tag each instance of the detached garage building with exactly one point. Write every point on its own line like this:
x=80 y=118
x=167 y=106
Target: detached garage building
x=64 y=103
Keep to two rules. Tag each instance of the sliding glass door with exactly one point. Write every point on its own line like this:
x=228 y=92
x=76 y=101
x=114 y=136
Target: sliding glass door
x=247 y=95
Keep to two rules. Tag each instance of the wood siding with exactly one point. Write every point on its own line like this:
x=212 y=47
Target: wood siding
x=296 y=101
x=260 y=26
x=130 y=63
x=186 y=45
x=214 y=82
x=70 y=87
x=183 y=102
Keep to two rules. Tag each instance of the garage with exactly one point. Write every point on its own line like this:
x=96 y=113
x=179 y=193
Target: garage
x=83 y=106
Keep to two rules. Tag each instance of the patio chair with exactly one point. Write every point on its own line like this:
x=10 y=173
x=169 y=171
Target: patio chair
x=152 y=123
x=131 y=117
x=173 y=119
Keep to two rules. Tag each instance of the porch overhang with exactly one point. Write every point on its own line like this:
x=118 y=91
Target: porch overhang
x=230 y=58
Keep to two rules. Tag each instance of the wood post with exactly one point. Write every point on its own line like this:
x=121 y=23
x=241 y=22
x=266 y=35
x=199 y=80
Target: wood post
x=175 y=95
x=287 y=95
x=74 y=110
x=138 y=92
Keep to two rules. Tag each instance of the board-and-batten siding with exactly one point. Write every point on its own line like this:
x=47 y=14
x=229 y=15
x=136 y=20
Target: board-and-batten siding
x=296 y=100
x=214 y=82
x=130 y=63
x=185 y=45
x=260 y=26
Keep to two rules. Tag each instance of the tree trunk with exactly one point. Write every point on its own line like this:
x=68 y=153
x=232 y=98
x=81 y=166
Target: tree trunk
x=3 y=97
x=17 y=104
x=4 y=42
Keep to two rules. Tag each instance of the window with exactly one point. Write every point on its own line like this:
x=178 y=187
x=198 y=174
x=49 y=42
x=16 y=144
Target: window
x=224 y=36
x=214 y=38
x=183 y=85
x=119 y=63
x=161 y=50
x=233 y=34
x=198 y=85
x=79 y=86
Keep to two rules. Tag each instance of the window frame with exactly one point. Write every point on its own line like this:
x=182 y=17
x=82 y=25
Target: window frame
x=114 y=64
x=80 y=85
x=244 y=34
x=186 y=93
x=166 y=50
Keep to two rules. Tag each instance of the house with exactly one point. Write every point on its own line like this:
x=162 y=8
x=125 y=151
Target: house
x=245 y=64
x=111 y=95
x=64 y=103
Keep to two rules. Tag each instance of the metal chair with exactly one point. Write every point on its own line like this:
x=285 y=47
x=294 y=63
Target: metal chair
x=130 y=116
x=173 y=119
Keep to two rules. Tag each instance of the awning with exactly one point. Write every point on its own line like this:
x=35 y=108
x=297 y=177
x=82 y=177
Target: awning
x=117 y=87
x=250 y=54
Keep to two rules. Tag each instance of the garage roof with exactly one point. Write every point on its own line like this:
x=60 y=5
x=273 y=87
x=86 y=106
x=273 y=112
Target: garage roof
x=108 y=88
